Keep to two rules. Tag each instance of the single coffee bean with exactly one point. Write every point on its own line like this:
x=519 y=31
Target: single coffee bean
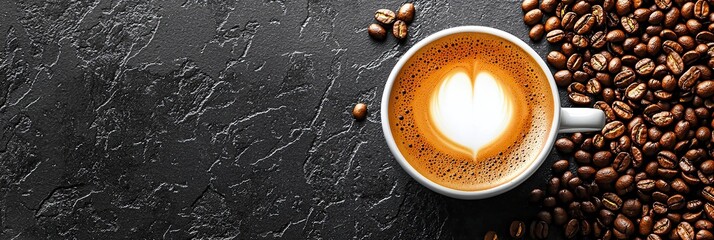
x=572 y=228
x=490 y=235
x=518 y=228
x=704 y=234
x=605 y=108
x=555 y=36
x=662 y=119
x=549 y=202
x=662 y=226
x=539 y=230
x=528 y=5
x=622 y=161
x=685 y=231
x=613 y=130
x=645 y=225
x=611 y=201
x=708 y=194
x=553 y=186
x=564 y=145
x=556 y=59
x=701 y=9
x=593 y=87
x=533 y=17
x=689 y=78
x=624 y=78
x=536 y=33
x=560 y=217
x=674 y=63
x=663 y=4
x=545 y=216
x=641 y=14
x=656 y=17
x=694 y=205
x=672 y=46
x=709 y=211
x=676 y=202
x=377 y=32
x=399 y=30
x=552 y=23
x=644 y=67
x=579 y=99
x=359 y=112
x=575 y=62
x=707 y=167
x=623 y=226
x=636 y=91
x=646 y=185
x=598 y=62
x=704 y=224
x=548 y=6
x=671 y=17
x=616 y=35
x=536 y=195
x=679 y=186
x=623 y=7
x=584 y=24
x=624 y=184
x=406 y=11
x=659 y=208
x=705 y=89
x=568 y=20
x=629 y=25
x=586 y=172
x=704 y=37
x=580 y=41
x=385 y=16
x=606 y=217
x=560 y=166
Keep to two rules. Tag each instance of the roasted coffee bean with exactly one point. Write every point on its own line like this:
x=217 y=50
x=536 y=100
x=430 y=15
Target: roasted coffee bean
x=666 y=159
x=689 y=78
x=555 y=36
x=602 y=158
x=584 y=24
x=586 y=172
x=704 y=234
x=564 y=145
x=708 y=194
x=663 y=4
x=568 y=20
x=644 y=67
x=611 y=201
x=377 y=32
x=593 y=87
x=572 y=228
x=624 y=226
x=646 y=185
x=536 y=33
x=705 y=89
x=539 y=230
x=707 y=167
x=685 y=231
x=624 y=184
x=582 y=157
x=359 y=112
x=615 y=36
x=704 y=224
x=662 y=226
x=579 y=99
x=674 y=63
x=606 y=216
x=695 y=204
x=615 y=65
x=560 y=217
x=676 y=202
x=704 y=36
x=560 y=166
x=659 y=208
x=636 y=91
x=548 y=6
x=406 y=11
x=701 y=9
x=598 y=62
x=553 y=186
x=679 y=186
x=622 y=161
x=662 y=119
x=533 y=17
x=709 y=211
x=545 y=216
x=623 y=7
x=580 y=41
x=609 y=113
x=613 y=130
x=629 y=25
x=574 y=62
x=385 y=16
x=624 y=78
x=536 y=196
x=490 y=235
x=518 y=228
x=549 y=202
x=556 y=59
x=399 y=30
x=645 y=225
x=552 y=23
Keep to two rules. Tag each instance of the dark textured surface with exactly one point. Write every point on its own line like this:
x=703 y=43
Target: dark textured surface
x=218 y=119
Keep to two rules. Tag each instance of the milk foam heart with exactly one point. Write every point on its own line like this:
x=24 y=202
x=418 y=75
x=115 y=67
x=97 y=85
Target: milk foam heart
x=470 y=112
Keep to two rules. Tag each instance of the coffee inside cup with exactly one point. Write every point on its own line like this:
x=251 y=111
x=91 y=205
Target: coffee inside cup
x=471 y=111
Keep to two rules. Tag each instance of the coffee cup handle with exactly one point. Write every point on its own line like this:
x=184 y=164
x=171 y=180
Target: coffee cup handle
x=581 y=120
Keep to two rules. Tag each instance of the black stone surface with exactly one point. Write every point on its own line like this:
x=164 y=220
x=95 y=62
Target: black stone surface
x=219 y=119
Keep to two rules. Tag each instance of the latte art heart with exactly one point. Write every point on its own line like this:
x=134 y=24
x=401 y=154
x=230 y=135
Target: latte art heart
x=471 y=113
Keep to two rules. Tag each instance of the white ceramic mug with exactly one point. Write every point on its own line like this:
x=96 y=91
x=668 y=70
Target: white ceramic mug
x=565 y=120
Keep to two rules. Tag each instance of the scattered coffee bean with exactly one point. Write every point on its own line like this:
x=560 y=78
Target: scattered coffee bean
x=385 y=16
x=399 y=30
x=359 y=112
x=406 y=12
x=536 y=33
x=490 y=235
x=377 y=32
x=518 y=228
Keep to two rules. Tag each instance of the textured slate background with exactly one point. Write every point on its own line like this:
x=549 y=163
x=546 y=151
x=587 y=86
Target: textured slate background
x=180 y=119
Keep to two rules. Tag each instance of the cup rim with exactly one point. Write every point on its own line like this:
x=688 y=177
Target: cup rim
x=461 y=194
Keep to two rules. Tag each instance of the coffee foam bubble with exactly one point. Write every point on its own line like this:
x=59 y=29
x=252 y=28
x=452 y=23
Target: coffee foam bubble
x=462 y=70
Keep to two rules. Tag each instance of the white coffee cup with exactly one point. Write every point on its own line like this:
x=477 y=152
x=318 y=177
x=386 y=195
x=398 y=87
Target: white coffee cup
x=565 y=120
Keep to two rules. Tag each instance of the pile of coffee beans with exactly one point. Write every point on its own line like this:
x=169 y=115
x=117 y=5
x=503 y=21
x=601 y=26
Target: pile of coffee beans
x=647 y=64
x=398 y=21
